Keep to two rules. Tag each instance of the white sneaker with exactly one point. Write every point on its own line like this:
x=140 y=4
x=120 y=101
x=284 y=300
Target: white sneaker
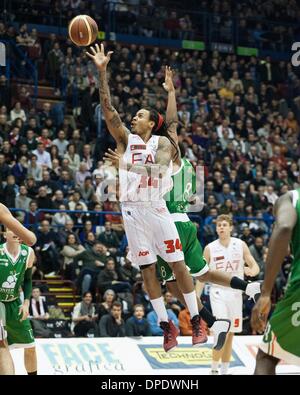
x=220 y=329
x=214 y=372
x=253 y=290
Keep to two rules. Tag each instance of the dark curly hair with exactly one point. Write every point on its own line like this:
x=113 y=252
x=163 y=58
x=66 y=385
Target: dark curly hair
x=160 y=128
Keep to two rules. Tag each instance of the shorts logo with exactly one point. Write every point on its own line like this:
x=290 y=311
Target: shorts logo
x=236 y=322
x=144 y=253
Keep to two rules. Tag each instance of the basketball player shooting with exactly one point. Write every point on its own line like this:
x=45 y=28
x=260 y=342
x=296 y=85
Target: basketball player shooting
x=149 y=227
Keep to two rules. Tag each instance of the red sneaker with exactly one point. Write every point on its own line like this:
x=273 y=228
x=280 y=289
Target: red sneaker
x=170 y=334
x=199 y=335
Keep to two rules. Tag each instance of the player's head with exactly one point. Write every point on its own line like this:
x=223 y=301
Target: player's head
x=11 y=237
x=224 y=226
x=146 y=120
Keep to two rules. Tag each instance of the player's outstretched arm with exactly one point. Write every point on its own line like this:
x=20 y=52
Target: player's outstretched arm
x=286 y=218
x=112 y=118
x=171 y=114
x=15 y=226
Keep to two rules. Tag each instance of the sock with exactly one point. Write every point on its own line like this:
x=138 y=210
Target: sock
x=32 y=373
x=191 y=303
x=224 y=367
x=215 y=365
x=160 y=309
x=207 y=316
x=238 y=283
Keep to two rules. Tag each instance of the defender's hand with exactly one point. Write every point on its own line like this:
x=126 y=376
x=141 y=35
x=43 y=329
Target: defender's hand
x=168 y=84
x=24 y=311
x=100 y=59
x=260 y=313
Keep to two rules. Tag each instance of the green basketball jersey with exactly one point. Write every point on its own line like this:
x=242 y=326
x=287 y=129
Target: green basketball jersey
x=295 y=245
x=184 y=186
x=12 y=272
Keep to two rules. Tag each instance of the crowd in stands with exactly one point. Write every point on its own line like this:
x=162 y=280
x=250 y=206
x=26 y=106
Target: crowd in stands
x=173 y=19
x=238 y=118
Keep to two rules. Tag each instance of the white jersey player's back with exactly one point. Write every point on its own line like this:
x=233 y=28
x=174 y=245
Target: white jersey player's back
x=136 y=187
x=227 y=259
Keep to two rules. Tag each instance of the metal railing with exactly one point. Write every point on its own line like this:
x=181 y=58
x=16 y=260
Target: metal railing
x=101 y=219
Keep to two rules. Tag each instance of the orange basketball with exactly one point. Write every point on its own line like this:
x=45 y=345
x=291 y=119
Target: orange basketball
x=83 y=30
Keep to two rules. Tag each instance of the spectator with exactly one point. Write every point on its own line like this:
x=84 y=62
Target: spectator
x=66 y=231
x=257 y=251
x=46 y=248
x=61 y=143
x=109 y=238
x=70 y=250
x=39 y=315
x=84 y=317
x=92 y=262
x=129 y=273
x=109 y=298
x=73 y=157
x=112 y=325
x=171 y=303
x=43 y=157
x=17 y=112
x=137 y=325
x=22 y=202
x=59 y=219
x=35 y=170
x=87 y=190
x=110 y=278
x=81 y=174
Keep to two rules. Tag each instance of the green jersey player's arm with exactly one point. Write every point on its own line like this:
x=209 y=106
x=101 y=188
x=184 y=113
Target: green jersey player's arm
x=206 y=254
x=252 y=268
x=286 y=218
x=27 y=286
x=15 y=226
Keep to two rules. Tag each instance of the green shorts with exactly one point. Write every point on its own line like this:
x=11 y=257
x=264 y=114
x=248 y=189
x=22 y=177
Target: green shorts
x=19 y=333
x=281 y=338
x=193 y=255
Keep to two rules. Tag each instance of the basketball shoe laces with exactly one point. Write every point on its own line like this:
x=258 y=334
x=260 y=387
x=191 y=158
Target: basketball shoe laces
x=167 y=331
x=196 y=326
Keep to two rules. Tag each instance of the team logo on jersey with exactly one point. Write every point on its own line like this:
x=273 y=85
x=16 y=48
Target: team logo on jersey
x=10 y=282
x=219 y=258
x=24 y=253
x=137 y=146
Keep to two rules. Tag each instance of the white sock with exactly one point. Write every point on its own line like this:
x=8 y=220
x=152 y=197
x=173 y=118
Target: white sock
x=224 y=367
x=160 y=309
x=215 y=365
x=191 y=302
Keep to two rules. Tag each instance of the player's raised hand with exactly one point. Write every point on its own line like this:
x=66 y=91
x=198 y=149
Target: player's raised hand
x=168 y=84
x=114 y=156
x=260 y=313
x=97 y=54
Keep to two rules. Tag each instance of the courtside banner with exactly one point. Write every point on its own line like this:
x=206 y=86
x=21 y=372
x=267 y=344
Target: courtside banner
x=138 y=356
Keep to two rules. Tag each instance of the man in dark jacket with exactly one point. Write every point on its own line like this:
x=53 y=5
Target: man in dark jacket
x=112 y=325
x=110 y=278
x=137 y=325
x=91 y=263
x=109 y=238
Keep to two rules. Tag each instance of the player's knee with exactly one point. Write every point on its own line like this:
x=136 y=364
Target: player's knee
x=178 y=267
x=148 y=271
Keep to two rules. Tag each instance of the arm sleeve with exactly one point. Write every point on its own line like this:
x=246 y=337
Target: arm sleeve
x=27 y=287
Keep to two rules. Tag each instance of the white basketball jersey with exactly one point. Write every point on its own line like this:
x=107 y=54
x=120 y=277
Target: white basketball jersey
x=227 y=259
x=141 y=187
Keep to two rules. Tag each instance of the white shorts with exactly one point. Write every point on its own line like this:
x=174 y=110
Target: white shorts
x=228 y=305
x=151 y=232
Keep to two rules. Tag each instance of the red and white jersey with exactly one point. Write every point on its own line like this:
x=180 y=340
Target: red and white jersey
x=227 y=259
x=136 y=187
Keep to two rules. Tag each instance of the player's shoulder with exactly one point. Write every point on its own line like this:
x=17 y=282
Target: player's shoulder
x=237 y=241
x=163 y=141
x=213 y=243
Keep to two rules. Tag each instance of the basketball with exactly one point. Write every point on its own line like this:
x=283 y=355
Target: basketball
x=83 y=30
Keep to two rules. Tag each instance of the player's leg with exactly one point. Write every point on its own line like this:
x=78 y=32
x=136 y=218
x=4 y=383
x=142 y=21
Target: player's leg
x=137 y=222
x=219 y=327
x=30 y=361
x=265 y=364
x=227 y=351
x=252 y=289
x=6 y=361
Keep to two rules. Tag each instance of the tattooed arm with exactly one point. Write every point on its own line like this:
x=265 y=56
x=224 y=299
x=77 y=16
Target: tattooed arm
x=115 y=126
x=171 y=114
